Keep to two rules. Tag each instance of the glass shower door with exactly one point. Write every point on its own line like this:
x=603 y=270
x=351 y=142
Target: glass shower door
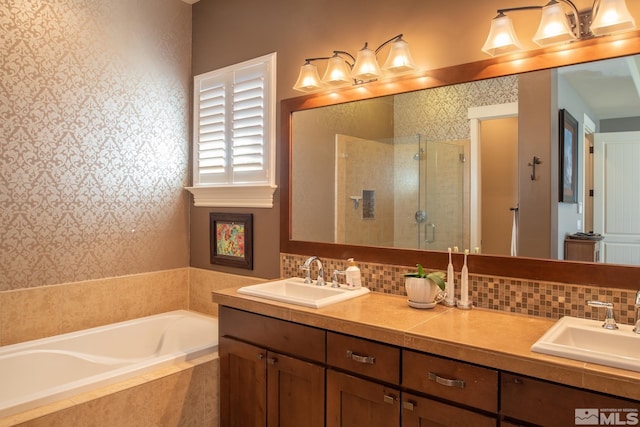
x=440 y=214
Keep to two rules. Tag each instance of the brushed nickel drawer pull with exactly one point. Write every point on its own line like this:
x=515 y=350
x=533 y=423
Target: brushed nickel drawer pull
x=445 y=381
x=389 y=398
x=371 y=360
x=272 y=360
x=408 y=405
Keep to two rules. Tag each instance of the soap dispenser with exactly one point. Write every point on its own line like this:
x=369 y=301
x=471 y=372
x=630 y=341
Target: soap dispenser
x=353 y=277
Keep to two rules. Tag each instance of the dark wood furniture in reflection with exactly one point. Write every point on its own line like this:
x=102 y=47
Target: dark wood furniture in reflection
x=581 y=250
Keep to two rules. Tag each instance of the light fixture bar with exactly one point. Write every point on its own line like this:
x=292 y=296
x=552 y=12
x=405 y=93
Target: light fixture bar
x=556 y=26
x=363 y=68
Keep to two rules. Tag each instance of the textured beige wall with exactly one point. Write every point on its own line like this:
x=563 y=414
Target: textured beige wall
x=94 y=131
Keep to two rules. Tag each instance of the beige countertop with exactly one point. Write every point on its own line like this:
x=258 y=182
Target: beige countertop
x=485 y=337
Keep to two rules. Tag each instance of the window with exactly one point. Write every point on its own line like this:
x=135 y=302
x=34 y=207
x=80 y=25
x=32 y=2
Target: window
x=234 y=135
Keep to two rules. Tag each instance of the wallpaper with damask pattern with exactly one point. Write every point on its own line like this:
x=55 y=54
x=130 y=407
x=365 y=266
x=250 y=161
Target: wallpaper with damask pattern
x=94 y=131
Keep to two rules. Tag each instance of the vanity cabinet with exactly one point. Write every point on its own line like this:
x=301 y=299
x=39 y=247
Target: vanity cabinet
x=356 y=401
x=279 y=373
x=542 y=403
x=353 y=401
x=418 y=411
x=271 y=371
x=363 y=357
x=453 y=381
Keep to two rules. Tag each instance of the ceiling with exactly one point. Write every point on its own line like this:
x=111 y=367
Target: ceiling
x=611 y=87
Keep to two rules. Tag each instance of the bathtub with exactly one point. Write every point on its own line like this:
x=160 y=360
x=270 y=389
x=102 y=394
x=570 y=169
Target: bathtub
x=42 y=371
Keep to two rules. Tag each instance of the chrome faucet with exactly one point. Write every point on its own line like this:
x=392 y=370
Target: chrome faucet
x=609 y=321
x=307 y=267
x=636 y=327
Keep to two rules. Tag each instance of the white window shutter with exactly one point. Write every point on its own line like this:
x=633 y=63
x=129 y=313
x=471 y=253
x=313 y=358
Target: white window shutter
x=248 y=129
x=211 y=133
x=234 y=134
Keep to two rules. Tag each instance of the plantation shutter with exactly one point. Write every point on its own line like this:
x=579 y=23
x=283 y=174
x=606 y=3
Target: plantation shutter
x=211 y=136
x=248 y=125
x=233 y=126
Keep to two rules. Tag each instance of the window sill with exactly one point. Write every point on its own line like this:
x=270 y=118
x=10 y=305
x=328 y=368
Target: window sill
x=234 y=196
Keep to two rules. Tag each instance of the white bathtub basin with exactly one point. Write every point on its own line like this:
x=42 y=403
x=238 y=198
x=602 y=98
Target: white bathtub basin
x=295 y=291
x=46 y=370
x=588 y=341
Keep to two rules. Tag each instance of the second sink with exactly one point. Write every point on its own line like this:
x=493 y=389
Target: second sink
x=588 y=341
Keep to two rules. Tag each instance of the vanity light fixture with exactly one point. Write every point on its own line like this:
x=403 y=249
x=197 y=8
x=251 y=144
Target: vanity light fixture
x=557 y=26
x=344 y=69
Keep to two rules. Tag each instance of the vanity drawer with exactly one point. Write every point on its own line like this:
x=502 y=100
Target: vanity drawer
x=522 y=397
x=293 y=339
x=451 y=380
x=368 y=358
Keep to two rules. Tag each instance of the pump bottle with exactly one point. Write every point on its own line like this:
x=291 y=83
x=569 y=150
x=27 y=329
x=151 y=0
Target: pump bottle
x=353 y=277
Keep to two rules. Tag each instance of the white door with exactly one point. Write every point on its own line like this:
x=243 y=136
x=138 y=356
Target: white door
x=616 y=199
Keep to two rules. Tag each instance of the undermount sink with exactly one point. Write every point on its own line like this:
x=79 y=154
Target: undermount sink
x=586 y=340
x=295 y=291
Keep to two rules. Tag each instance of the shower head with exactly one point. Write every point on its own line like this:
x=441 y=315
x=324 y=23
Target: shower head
x=419 y=155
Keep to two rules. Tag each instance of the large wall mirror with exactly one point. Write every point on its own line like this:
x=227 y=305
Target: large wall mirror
x=403 y=172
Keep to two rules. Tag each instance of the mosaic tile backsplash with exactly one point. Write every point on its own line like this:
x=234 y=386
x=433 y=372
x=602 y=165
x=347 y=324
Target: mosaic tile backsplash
x=540 y=299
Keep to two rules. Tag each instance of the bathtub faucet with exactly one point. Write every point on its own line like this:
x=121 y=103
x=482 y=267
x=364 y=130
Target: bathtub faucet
x=307 y=267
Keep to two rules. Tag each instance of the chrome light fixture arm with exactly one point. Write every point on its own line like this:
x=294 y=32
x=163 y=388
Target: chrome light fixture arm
x=392 y=39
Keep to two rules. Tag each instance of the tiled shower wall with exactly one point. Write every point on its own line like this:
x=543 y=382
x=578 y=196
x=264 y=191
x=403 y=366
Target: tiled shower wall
x=541 y=299
x=94 y=122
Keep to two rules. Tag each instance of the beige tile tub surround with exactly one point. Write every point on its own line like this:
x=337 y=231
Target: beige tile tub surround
x=541 y=299
x=183 y=394
x=32 y=313
x=202 y=282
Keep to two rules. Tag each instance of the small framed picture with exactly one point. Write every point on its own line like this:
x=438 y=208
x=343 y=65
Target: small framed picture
x=231 y=239
x=568 y=158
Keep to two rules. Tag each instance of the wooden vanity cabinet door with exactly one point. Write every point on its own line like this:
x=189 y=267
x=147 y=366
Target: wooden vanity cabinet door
x=419 y=411
x=364 y=357
x=356 y=402
x=243 y=386
x=548 y=404
x=295 y=392
x=262 y=380
x=451 y=380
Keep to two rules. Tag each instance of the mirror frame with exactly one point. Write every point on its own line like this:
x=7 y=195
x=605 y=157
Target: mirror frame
x=579 y=273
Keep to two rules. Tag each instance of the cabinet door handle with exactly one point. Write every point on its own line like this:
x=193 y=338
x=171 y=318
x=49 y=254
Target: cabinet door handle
x=408 y=405
x=389 y=398
x=361 y=359
x=272 y=360
x=446 y=381
x=260 y=356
